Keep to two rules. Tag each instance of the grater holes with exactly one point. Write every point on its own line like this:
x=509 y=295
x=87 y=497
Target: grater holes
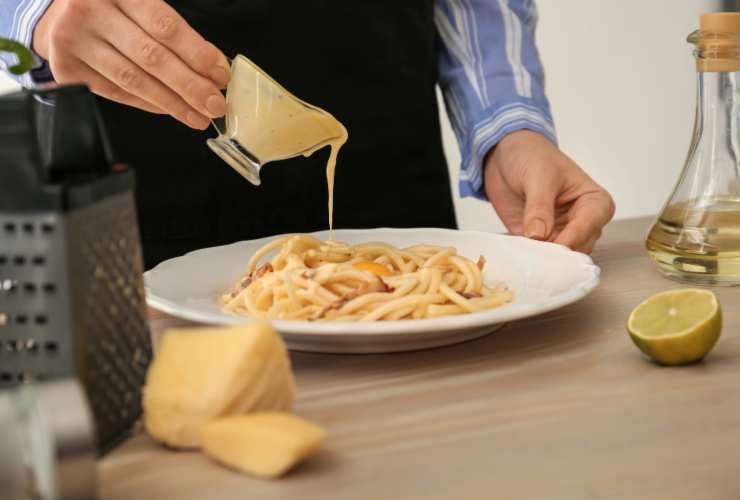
x=31 y=346
x=29 y=287
x=8 y=285
x=19 y=260
x=40 y=319
x=28 y=228
x=3 y=260
x=38 y=260
x=9 y=227
x=47 y=228
x=50 y=288
x=51 y=347
x=21 y=319
x=114 y=286
x=6 y=377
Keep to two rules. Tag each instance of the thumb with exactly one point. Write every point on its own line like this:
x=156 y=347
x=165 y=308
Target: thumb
x=539 y=209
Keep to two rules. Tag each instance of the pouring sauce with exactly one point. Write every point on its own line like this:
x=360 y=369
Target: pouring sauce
x=275 y=125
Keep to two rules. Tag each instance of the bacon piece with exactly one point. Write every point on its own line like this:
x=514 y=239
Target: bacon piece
x=386 y=287
x=264 y=269
x=249 y=279
x=364 y=288
x=336 y=305
x=481 y=262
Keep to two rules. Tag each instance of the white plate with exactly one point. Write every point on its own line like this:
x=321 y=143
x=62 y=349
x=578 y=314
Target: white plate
x=543 y=277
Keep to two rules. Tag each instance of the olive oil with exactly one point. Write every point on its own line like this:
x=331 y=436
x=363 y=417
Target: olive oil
x=697 y=235
x=698 y=241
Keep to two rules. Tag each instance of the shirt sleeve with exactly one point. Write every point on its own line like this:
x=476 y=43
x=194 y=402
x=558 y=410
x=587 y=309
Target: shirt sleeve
x=18 y=19
x=491 y=78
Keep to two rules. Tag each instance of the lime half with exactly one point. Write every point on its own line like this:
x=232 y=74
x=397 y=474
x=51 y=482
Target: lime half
x=676 y=327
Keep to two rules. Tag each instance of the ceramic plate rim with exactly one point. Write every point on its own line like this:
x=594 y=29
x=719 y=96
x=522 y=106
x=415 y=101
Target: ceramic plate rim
x=505 y=314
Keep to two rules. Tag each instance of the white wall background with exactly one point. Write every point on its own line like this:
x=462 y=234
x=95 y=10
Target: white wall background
x=621 y=82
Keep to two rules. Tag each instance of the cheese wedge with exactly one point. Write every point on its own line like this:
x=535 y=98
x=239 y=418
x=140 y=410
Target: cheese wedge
x=265 y=444
x=203 y=373
x=281 y=393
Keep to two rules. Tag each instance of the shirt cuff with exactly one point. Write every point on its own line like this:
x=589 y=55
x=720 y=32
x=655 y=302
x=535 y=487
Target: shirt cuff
x=492 y=125
x=26 y=18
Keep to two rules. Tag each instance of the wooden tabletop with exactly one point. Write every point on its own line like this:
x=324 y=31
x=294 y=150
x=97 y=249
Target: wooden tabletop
x=561 y=406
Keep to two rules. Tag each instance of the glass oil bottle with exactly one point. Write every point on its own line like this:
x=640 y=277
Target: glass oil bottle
x=696 y=238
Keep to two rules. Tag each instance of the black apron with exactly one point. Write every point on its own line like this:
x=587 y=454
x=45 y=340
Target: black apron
x=371 y=63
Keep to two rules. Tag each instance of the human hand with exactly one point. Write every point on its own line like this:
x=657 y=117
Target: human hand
x=542 y=194
x=136 y=52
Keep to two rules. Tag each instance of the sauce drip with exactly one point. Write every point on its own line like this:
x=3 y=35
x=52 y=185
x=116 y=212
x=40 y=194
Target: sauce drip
x=331 y=167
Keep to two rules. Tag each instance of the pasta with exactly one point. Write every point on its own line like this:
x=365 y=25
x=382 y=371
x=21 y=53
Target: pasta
x=309 y=279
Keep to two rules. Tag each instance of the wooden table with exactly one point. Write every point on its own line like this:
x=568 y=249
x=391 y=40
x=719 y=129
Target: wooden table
x=561 y=406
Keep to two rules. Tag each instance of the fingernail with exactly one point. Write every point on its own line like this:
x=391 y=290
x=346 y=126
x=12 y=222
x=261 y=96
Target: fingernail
x=196 y=120
x=536 y=229
x=220 y=76
x=216 y=105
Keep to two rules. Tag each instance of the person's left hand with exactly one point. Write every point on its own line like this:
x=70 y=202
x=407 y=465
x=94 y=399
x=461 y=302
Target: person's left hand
x=542 y=194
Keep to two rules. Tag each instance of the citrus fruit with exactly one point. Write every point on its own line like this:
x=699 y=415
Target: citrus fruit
x=676 y=327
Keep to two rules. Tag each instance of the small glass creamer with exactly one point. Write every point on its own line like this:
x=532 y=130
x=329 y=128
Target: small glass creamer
x=264 y=123
x=696 y=238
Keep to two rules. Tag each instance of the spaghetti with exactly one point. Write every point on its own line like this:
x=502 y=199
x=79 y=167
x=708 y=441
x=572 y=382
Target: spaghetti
x=315 y=280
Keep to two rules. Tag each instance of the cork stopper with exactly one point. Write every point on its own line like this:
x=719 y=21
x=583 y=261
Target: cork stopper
x=721 y=22
x=718 y=43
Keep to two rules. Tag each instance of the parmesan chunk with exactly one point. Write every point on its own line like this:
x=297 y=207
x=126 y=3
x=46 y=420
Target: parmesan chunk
x=264 y=444
x=200 y=374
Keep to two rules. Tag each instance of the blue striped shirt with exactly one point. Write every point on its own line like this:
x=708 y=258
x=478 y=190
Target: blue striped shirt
x=489 y=71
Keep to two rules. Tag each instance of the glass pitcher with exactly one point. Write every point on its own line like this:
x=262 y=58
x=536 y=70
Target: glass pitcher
x=696 y=238
x=264 y=122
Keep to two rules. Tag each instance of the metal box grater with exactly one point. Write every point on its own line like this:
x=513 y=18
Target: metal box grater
x=71 y=290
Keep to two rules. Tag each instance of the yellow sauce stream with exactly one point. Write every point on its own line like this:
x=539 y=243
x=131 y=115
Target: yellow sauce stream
x=331 y=167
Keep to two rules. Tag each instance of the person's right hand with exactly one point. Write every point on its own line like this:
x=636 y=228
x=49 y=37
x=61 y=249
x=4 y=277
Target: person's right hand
x=136 y=52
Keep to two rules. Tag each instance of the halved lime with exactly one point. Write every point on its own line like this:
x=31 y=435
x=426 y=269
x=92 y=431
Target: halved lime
x=676 y=327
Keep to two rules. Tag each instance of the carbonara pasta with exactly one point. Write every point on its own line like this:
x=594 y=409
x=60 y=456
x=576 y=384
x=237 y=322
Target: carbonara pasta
x=314 y=280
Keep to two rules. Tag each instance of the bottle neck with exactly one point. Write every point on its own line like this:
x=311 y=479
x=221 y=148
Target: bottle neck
x=716 y=52
x=718 y=114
